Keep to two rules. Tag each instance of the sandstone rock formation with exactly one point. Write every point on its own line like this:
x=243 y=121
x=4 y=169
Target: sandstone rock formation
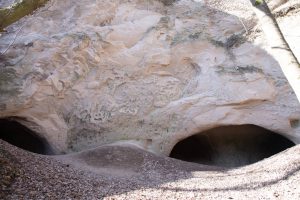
x=86 y=73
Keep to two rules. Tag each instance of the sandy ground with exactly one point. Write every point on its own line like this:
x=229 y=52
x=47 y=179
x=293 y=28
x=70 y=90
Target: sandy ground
x=127 y=172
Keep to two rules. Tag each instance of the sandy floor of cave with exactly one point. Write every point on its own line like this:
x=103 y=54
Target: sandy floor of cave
x=107 y=172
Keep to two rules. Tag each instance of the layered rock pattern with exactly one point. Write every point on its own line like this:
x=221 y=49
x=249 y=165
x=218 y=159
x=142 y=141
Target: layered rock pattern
x=87 y=73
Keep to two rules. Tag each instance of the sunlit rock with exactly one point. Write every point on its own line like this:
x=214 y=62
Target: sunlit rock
x=87 y=73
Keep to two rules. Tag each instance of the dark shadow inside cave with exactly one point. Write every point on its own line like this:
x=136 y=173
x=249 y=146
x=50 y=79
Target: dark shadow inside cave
x=19 y=135
x=230 y=146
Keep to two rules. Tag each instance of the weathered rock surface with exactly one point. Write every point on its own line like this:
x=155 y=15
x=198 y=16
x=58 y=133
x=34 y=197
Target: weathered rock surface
x=6 y=3
x=87 y=73
x=288 y=17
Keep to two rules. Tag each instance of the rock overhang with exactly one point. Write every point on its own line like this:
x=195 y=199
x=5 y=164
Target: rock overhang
x=91 y=74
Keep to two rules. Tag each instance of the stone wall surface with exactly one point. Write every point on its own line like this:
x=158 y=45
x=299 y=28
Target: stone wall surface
x=6 y=3
x=87 y=73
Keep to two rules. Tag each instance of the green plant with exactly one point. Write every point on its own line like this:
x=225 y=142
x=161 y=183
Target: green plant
x=258 y=2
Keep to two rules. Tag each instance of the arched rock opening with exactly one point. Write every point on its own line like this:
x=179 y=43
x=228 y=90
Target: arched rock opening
x=19 y=135
x=230 y=146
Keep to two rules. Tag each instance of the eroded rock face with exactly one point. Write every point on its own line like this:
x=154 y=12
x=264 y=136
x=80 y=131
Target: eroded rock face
x=6 y=3
x=87 y=73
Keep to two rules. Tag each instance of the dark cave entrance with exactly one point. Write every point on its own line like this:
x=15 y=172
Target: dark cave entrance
x=19 y=135
x=230 y=146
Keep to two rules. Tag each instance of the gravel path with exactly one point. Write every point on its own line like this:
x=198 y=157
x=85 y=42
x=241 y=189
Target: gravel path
x=108 y=173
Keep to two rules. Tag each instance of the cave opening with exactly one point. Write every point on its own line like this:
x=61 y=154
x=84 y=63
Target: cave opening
x=19 y=135
x=230 y=146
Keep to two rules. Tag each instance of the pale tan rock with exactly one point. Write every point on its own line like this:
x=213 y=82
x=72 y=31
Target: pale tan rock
x=88 y=73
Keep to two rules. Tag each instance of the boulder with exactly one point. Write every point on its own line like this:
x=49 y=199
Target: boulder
x=87 y=73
